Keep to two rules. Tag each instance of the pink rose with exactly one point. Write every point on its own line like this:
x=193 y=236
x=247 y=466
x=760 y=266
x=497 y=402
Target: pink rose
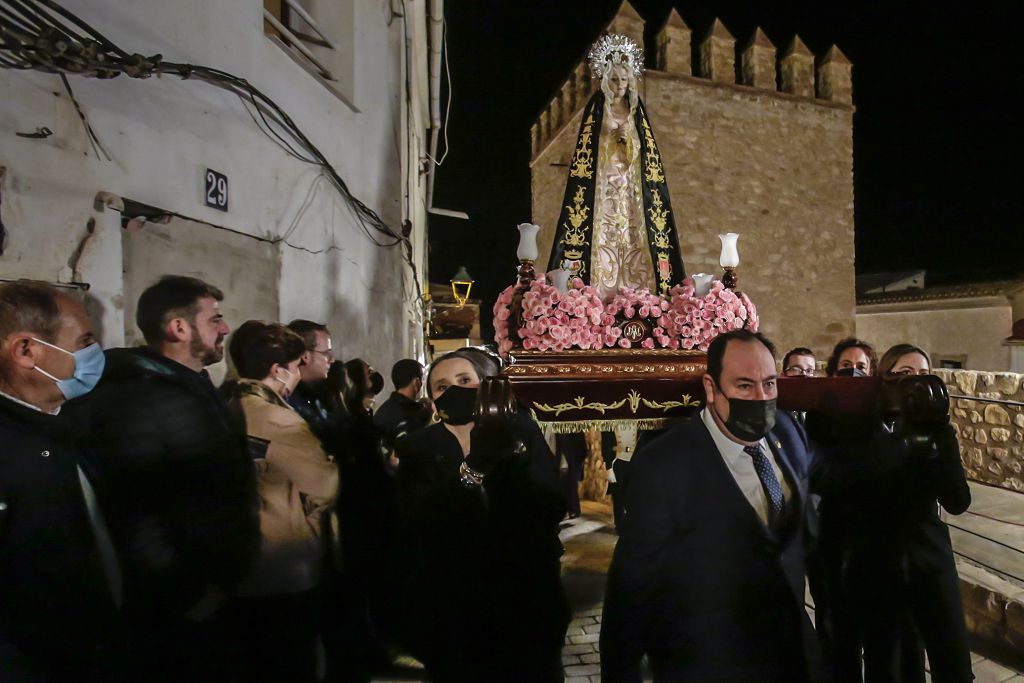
x=655 y=311
x=647 y=343
x=687 y=343
x=624 y=343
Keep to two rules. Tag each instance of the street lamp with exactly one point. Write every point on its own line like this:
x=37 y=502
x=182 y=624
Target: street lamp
x=462 y=283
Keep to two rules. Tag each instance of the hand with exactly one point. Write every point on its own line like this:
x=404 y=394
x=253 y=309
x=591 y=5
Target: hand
x=491 y=442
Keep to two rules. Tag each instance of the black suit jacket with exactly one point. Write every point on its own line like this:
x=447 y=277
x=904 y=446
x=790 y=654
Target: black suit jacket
x=697 y=582
x=175 y=482
x=56 y=609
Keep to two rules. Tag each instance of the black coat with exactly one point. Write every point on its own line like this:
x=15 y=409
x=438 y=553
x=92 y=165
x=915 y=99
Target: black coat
x=697 y=582
x=884 y=567
x=56 y=609
x=175 y=481
x=483 y=563
x=399 y=416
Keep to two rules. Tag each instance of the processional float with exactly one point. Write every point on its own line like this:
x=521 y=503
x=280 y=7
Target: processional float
x=614 y=335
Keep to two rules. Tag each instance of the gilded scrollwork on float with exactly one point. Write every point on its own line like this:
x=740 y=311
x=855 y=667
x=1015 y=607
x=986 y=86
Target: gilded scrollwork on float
x=595 y=369
x=665 y=406
x=634 y=399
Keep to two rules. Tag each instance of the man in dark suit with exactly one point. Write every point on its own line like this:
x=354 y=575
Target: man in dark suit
x=59 y=576
x=708 y=574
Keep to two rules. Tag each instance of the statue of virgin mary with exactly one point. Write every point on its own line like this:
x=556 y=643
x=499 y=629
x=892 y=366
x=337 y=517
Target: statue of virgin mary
x=616 y=227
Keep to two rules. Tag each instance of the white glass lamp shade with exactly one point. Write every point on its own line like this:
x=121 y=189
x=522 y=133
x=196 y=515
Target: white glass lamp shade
x=559 y=279
x=527 y=250
x=702 y=284
x=730 y=257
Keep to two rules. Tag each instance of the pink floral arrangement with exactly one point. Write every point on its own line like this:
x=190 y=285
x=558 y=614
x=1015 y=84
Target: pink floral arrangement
x=555 y=321
x=694 y=321
x=637 y=304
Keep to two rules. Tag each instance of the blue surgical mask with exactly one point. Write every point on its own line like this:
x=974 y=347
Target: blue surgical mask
x=89 y=364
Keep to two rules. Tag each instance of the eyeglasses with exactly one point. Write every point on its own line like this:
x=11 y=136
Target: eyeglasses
x=797 y=371
x=328 y=354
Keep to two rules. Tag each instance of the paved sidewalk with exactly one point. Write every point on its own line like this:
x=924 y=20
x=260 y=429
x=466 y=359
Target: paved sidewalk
x=588 y=554
x=590 y=540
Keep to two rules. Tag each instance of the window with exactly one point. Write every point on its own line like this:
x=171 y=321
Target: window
x=951 y=362
x=318 y=35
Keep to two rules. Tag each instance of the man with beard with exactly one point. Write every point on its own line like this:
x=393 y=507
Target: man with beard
x=176 y=484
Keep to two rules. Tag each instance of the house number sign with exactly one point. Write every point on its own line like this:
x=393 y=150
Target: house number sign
x=216 y=190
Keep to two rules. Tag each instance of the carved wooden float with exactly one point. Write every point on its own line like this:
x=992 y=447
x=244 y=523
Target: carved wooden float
x=575 y=390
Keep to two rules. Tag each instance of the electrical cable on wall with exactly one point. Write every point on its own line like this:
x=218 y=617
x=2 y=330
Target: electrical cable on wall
x=42 y=36
x=3 y=228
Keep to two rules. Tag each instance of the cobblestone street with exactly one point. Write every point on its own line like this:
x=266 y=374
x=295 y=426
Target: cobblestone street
x=589 y=542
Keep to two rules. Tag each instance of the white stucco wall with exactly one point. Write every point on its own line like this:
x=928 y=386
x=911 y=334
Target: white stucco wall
x=163 y=132
x=975 y=330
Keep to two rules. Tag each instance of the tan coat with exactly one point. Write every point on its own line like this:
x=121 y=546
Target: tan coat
x=297 y=482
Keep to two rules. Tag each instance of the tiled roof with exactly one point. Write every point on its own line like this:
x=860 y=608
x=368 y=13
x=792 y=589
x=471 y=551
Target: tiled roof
x=969 y=290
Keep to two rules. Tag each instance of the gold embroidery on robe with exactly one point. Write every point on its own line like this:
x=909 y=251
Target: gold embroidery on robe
x=620 y=256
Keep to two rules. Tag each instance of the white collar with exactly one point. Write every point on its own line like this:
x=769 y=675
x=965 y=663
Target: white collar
x=729 y=449
x=29 y=405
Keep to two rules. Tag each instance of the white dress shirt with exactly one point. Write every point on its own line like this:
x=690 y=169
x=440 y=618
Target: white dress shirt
x=741 y=466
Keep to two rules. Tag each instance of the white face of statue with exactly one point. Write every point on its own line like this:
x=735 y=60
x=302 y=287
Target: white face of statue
x=618 y=81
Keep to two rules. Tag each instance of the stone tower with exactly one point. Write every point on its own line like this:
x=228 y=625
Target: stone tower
x=773 y=162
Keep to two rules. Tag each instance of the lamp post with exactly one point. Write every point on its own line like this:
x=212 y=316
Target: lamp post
x=730 y=259
x=462 y=283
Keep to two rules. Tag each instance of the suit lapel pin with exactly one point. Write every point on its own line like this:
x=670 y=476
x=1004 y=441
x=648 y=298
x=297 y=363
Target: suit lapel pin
x=778 y=444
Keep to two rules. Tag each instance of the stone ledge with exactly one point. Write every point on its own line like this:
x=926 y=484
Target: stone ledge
x=993 y=608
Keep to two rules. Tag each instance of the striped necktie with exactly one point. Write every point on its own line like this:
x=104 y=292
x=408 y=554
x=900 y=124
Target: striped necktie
x=769 y=482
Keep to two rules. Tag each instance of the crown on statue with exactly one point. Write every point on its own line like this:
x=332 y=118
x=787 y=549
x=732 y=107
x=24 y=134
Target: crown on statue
x=612 y=50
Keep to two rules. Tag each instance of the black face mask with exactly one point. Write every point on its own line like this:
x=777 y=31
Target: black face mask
x=456 y=405
x=851 y=372
x=749 y=420
x=376 y=383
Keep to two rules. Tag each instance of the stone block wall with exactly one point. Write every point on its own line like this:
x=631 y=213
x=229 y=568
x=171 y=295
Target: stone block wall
x=991 y=434
x=775 y=167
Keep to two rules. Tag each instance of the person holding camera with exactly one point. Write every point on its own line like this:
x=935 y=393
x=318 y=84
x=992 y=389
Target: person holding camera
x=888 y=577
x=480 y=505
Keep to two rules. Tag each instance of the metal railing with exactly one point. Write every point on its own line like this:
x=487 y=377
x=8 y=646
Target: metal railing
x=1004 y=401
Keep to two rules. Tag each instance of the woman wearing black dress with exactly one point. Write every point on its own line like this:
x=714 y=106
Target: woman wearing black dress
x=480 y=506
x=890 y=582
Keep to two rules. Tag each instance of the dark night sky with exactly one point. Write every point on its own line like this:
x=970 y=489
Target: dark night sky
x=937 y=136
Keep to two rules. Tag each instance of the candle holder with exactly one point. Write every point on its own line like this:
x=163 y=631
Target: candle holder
x=559 y=279
x=702 y=284
x=730 y=259
x=527 y=253
x=729 y=279
x=526 y=274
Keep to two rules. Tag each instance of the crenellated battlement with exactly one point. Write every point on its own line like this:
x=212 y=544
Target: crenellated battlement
x=826 y=79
